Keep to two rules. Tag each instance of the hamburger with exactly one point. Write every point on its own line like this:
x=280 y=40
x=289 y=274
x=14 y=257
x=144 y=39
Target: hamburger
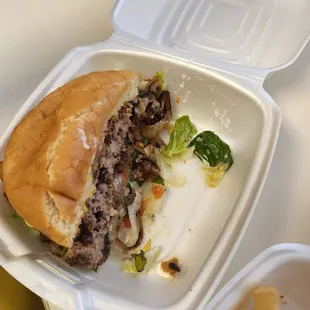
x=70 y=163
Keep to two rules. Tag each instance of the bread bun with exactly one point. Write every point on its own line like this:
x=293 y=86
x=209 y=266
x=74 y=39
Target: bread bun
x=48 y=159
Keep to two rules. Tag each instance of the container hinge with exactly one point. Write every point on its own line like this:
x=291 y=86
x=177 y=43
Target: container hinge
x=256 y=74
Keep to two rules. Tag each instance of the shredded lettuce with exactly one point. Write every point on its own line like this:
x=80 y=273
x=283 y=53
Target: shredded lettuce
x=140 y=261
x=16 y=216
x=162 y=76
x=128 y=265
x=152 y=257
x=176 y=180
x=181 y=135
x=165 y=165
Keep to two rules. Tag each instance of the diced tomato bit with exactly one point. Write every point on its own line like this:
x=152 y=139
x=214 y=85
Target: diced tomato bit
x=126 y=222
x=158 y=191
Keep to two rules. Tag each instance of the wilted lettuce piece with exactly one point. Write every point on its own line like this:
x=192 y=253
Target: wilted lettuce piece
x=140 y=261
x=215 y=174
x=209 y=147
x=181 y=135
x=161 y=76
x=128 y=265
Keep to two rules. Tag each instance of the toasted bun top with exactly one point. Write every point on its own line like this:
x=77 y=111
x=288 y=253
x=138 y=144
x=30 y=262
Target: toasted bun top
x=47 y=161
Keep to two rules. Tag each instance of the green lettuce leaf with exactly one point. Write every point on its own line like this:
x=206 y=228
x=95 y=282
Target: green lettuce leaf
x=181 y=135
x=209 y=147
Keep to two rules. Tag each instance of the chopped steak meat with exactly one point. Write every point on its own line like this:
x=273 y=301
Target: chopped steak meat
x=115 y=164
x=145 y=169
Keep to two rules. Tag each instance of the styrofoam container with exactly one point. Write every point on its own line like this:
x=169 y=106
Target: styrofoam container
x=285 y=267
x=218 y=69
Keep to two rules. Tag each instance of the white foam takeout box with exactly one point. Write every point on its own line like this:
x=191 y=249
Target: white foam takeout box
x=285 y=267
x=216 y=55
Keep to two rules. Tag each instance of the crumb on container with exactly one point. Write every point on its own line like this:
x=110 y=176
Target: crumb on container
x=169 y=268
x=283 y=302
x=178 y=99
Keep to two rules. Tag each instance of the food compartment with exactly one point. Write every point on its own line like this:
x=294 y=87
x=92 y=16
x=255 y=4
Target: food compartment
x=285 y=267
x=292 y=280
x=192 y=221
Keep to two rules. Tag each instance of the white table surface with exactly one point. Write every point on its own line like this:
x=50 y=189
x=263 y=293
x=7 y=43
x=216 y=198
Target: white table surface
x=35 y=34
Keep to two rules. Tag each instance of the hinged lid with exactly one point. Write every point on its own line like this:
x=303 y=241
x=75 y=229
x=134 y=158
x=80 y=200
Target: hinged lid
x=264 y=34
